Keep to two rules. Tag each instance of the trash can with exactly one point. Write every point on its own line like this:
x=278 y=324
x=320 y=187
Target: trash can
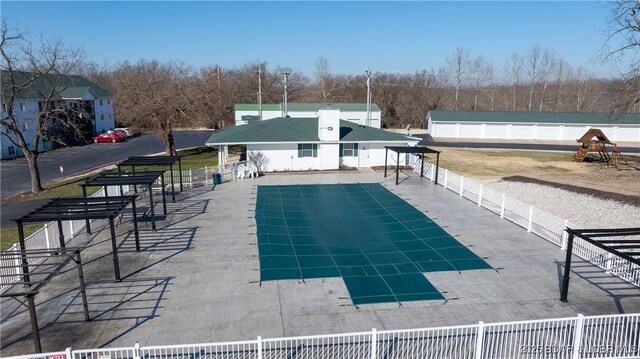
x=217 y=178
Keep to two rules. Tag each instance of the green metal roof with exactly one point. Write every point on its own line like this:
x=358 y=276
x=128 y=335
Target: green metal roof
x=68 y=87
x=254 y=107
x=536 y=117
x=293 y=106
x=299 y=130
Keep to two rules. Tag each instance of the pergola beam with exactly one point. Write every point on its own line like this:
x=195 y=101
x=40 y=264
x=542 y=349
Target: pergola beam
x=419 y=150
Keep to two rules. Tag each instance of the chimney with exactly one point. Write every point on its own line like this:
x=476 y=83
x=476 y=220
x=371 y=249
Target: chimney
x=329 y=124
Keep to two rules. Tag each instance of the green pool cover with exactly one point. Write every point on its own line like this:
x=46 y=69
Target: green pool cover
x=379 y=244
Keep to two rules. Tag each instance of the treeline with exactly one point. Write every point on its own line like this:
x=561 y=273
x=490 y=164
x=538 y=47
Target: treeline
x=150 y=94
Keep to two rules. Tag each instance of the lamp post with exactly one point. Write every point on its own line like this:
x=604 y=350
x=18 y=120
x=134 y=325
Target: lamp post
x=285 y=74
x=368 y=121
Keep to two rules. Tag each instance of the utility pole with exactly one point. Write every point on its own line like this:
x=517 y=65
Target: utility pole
x=285 y=74
x=368 y=121
x=260 y=92
x=219 y=98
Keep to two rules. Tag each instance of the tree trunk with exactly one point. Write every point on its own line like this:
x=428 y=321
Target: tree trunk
x=530 y=97
x=34 y=171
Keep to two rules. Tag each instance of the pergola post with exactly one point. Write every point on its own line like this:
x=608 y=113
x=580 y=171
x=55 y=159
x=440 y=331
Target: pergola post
x=25 y=263
x=437 y=166
x=153 y=213
x=114 y=246
x=35 y=331
x=173 y=187
x=397 y=167
x=164 y=198
x=135 y=225
x=567 y=269
x=422 y=165
x=180 y=172
x=61 y=235
x=87 y=222
x=121 y=190
x=135 y=187
x=83 y=290
x=386 y=156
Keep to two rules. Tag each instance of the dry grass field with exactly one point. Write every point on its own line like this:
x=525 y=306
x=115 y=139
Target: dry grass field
x=543 y=165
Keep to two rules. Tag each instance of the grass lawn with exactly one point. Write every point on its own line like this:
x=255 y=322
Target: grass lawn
x=194 y=158
x=9 y=235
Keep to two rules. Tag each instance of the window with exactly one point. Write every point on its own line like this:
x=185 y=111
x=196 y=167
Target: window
x=23 y=107
x=4 y=108
x=108 y=102
x=100 y=102
x=102 y=117
x=110 y=115
x=307 y=150
x=25 y=126
x=348 y=150
x=12 y=150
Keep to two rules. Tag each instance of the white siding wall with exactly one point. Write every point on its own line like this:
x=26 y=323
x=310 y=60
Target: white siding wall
x=358 y=117
x=281 y=157
x=329 y=156
x=26 y=122
x=105 y=118
x=560 y=132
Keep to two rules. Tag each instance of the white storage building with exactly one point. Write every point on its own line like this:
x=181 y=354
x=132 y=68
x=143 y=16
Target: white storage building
x=353 y=112
x=560 y=126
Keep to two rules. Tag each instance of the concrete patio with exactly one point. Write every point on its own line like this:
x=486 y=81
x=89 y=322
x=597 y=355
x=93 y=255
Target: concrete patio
x=197 y=278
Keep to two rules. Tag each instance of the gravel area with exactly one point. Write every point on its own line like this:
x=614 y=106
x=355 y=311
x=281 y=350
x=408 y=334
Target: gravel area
x=583 y=210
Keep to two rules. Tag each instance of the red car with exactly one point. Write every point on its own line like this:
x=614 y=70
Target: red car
x=107 y=137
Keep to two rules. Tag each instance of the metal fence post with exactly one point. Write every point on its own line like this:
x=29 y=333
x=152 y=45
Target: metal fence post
x=461 y=185
x=46 y=235
x=68 y=352
x=259 y=347
x=480 y=195
x=504 y=201
x=479 y=340
x=565 y=235
x=530 y=218
x=577 y=339
x=136 y=351
x=446 y=178
x=374 y=343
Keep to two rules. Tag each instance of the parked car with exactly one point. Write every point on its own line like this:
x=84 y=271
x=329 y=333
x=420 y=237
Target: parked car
x=130 y=131
x=108 y=137
x=120 y=132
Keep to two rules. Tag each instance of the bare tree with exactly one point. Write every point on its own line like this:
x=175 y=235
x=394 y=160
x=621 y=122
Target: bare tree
x=41 y=75
x=479 y=76
x=458 y=66
x=327 y=82
x=513 y=68
x=623 y=41
x=156 y=97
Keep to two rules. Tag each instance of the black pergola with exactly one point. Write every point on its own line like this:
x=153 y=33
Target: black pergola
x=421 y=151
x=156 y=161
x=626 y=248
x=79 y=208
x=46 y=263
x=128 y=178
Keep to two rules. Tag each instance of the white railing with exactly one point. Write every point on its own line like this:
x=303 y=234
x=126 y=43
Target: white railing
x=605 y=336
x=48 y=237
x=534 y=220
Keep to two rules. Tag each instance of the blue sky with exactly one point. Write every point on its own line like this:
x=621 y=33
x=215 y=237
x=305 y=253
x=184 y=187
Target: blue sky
x=386 y=36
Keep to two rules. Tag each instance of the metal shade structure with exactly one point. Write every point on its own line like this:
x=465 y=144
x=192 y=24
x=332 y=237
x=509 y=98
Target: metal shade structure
x=46 y=263
x=156 y=161
x=80 y=208
x=135 y=179
x=607 y=239
x=419 y=150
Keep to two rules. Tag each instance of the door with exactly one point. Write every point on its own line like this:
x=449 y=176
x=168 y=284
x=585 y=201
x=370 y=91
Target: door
x=363 y=155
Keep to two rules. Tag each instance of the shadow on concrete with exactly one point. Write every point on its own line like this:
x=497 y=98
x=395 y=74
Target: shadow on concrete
x=613 y=286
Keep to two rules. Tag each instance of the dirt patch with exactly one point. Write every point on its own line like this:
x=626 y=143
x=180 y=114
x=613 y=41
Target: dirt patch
x=556 y=167
x=627 y=199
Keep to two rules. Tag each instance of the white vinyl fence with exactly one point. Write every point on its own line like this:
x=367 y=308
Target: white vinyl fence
x=606 y=336
x=534 y=220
